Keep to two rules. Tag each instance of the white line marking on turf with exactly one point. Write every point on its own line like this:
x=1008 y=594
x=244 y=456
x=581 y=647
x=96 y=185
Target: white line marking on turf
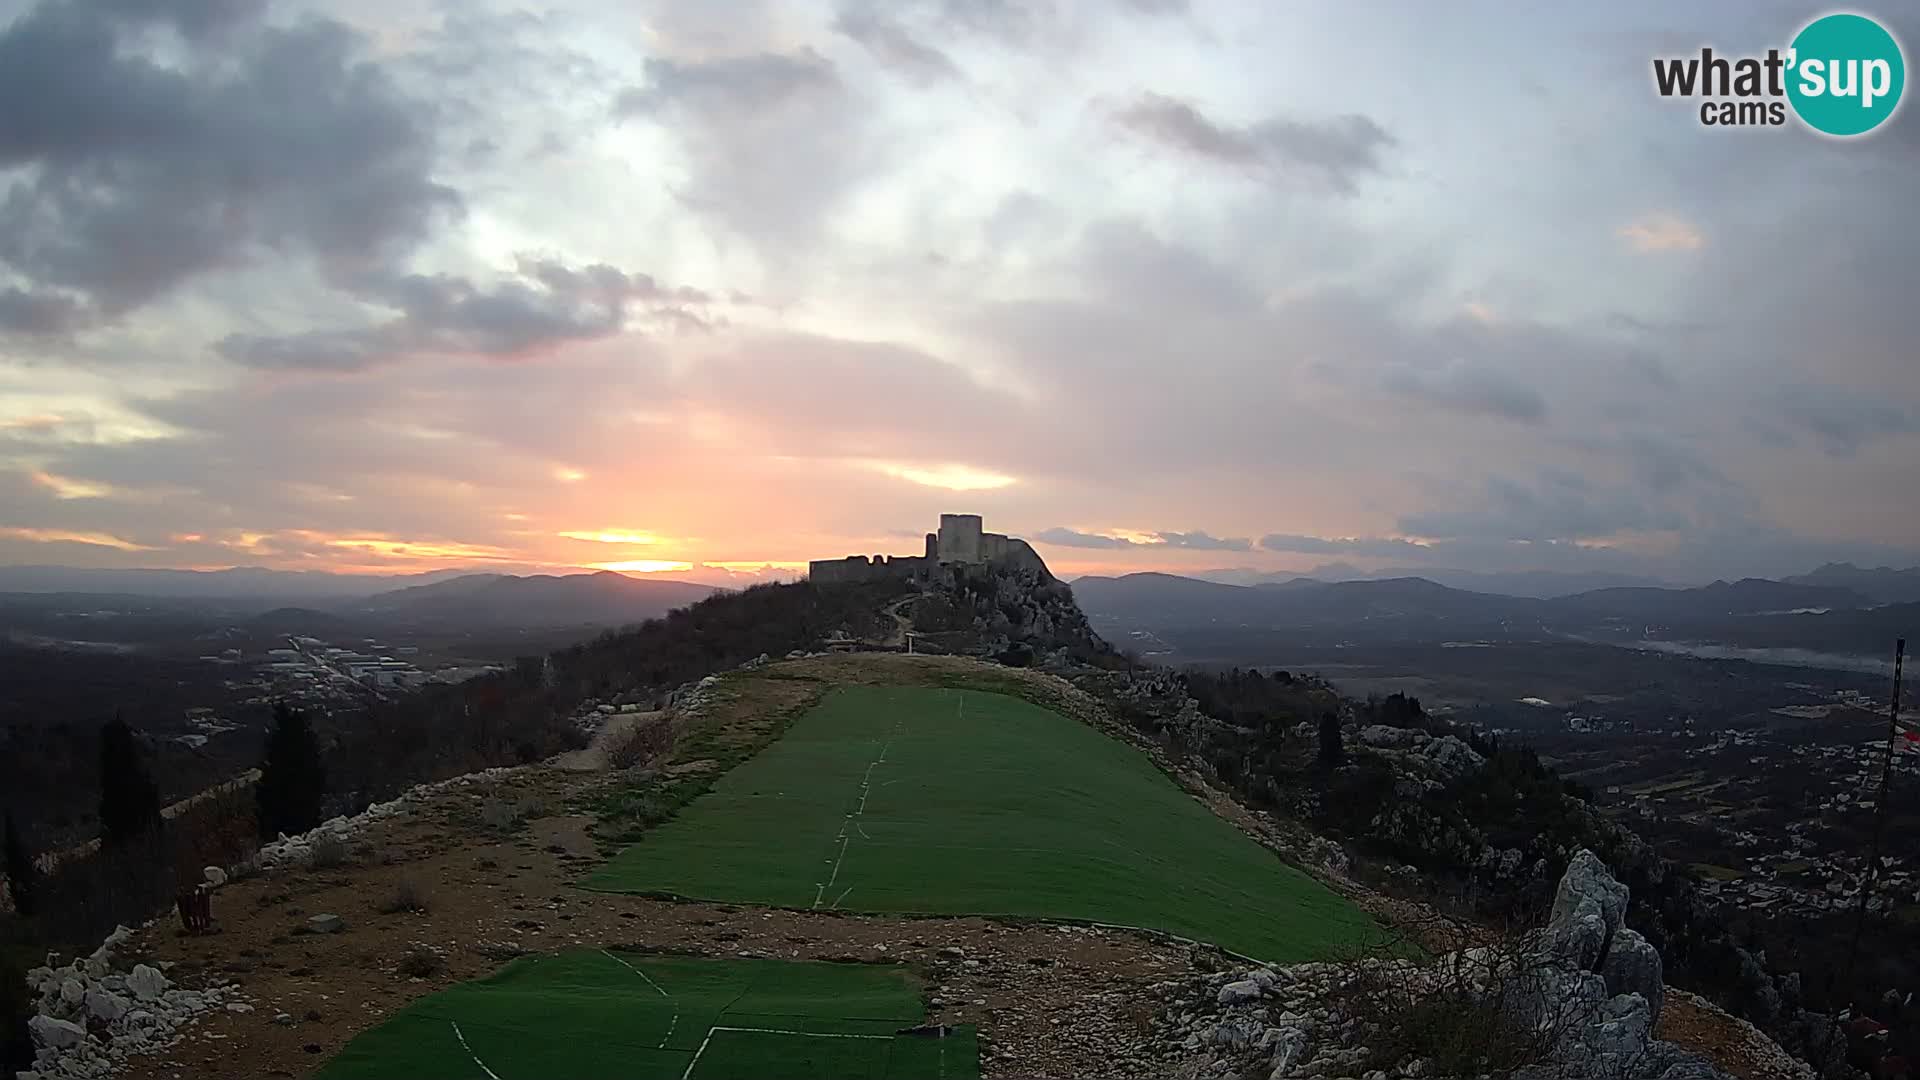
x=807 y=1034
x=843 y=896
x=769 y=1031
x=866 y=789
x=696 y=1055
x=671 y=1024
x=470 y=1053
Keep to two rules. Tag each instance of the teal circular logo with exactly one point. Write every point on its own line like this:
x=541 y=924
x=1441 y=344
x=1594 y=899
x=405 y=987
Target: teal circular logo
x=1845 y=74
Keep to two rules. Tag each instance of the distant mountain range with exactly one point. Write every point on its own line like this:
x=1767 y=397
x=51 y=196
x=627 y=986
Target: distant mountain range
x=1752 y=612
x=240 y=582
x=1881 y=583
x=1541 y=584
x=541 y=600
x=289 y=600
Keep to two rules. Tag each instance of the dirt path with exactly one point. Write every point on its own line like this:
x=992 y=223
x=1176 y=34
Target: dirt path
x=593 y=757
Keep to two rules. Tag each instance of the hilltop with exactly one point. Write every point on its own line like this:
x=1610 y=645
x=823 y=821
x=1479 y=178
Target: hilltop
x=483 y=869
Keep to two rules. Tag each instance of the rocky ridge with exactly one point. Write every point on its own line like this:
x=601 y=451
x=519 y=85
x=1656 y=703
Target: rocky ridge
x=1578 y=998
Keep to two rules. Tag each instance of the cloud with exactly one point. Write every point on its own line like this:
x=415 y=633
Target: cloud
x=1663 y=232
x=771 y=141
x=543 y=305
x=62 y=536
x=1192 y=541
x=947 y=477
x=1063 y=537
x=193 y=18
x=760 y=81
x=1365 y=547
x=1469 y=387
x=1839 y=420
x=1558 y=506
x=37 y=314
x=1336 y=152
x=894 y=46
x=1199 y=541
x=139 y=176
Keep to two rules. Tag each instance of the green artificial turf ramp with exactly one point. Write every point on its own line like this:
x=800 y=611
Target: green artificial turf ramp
x=959 y=802
x=591 y=1014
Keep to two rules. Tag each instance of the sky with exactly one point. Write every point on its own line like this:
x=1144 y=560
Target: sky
x=710 y=288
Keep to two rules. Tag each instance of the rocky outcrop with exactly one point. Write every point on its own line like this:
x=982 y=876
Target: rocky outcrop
x=92 y=1017
x=1579 y=998
x=1588 y=909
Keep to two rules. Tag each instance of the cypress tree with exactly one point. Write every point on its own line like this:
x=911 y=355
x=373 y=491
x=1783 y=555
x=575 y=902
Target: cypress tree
x=293 y=779
x=1332 y=751
x=21 y=874
x=129 y=799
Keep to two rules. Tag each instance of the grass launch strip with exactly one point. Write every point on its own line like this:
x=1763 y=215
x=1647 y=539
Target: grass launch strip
x=959 y=802
x=584 y=1015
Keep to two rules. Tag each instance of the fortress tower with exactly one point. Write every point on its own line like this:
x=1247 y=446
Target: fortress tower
x=960 y=540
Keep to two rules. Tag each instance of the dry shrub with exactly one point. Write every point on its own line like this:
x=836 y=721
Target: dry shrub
x=421 y=962
x=641 y=744
x=407 y=897
x=506 y=814
x=498 y=813
x=1466 y=1014
x=329 y=851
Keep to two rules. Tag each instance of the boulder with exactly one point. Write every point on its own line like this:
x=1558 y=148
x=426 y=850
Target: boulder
x=1622 y=1028
x=1452 y=756
x=56 y=1034
x=106 y=1005
x=146 y=982
x=326 y=924
x=73 y=991
x=1632 y=966
x=1288 y=1050
x=1237 y=993
x=1389 y=737
x=215 y=876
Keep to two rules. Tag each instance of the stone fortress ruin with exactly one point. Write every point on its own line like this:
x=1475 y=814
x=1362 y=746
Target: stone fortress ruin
x=960 y=542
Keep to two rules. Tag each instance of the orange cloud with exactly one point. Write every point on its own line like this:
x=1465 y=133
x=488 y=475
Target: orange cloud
x=421 y=549
x=615 y=536
x=67 y=488
x=61 y=536
x=946 y=477
x=1663 y=232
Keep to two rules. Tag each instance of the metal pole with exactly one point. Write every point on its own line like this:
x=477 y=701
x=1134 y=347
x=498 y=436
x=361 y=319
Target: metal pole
x=1879 y=818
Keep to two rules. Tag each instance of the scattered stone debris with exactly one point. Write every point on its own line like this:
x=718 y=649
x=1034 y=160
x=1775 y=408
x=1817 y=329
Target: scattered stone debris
x=91 y=1017
x=296 y=850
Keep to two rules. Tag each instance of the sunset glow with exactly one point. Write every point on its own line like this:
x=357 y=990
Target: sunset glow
x=948 y=477
x=1155 y=285
x=61 y=536
x=614 y=537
